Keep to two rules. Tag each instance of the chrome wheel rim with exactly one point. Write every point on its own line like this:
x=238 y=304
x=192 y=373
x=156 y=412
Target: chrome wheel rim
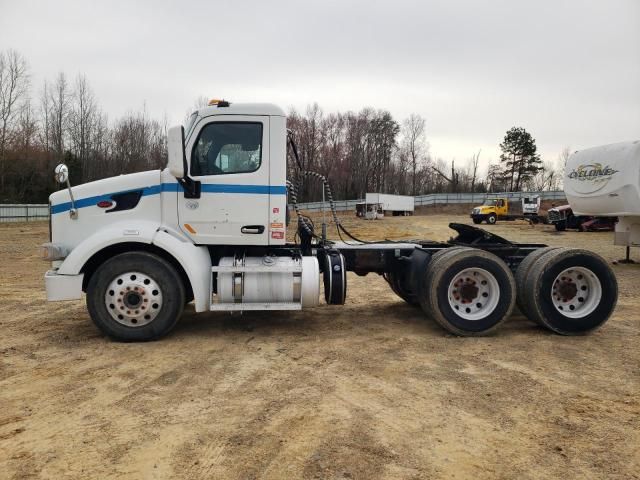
x=576 y=292
x=474 y=293
x=133 y=299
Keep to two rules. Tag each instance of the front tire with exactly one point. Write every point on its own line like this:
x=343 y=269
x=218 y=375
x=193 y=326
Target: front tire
x=561 y=226
x=491 y=219
x=135 y=296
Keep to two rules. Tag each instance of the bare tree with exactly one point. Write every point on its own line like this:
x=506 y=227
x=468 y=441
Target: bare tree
x=59 y=104
x=14 y=88
x=45 y=119
x=561 y=166
x=413 y=133
x=200 y=101
x=473 y=170
x=82 y=121
x=495 y=178
x=454 y=179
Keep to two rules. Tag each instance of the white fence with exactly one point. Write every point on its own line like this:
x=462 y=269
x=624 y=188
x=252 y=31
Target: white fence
x=24 y=212
x=441 y=199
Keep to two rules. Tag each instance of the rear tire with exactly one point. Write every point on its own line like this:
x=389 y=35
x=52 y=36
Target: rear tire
x=468 y=291
x=571 y=291
x=135 y=296
x=522 y=274
x=397 y=282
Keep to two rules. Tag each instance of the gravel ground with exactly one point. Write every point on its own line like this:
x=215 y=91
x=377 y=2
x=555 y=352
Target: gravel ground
x=366 y=391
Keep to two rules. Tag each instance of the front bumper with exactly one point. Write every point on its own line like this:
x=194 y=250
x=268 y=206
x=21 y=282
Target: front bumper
x=63 y=287
x=479 y=216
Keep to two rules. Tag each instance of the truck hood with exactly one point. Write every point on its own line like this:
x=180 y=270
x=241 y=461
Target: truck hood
x=560 y=208
x=483 y=208
x=88 y=194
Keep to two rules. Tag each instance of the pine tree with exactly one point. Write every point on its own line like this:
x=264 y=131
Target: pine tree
x=519 y=157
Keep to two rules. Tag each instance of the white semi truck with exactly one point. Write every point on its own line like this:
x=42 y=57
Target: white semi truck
x=211 y=229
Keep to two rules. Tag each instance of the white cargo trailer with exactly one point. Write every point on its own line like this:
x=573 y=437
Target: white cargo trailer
x=391 y=204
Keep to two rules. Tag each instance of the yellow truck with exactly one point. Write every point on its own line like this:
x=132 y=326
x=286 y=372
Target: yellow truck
x=502 y=208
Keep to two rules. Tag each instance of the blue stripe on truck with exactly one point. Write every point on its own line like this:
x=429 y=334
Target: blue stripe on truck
x=176 y=187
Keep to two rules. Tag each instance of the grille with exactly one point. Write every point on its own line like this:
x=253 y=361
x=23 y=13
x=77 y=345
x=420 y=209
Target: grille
x=555 y=216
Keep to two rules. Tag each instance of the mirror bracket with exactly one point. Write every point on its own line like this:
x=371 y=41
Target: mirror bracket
x=192 y=188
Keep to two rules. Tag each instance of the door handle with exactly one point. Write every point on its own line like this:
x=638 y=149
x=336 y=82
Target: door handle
x=254 y=229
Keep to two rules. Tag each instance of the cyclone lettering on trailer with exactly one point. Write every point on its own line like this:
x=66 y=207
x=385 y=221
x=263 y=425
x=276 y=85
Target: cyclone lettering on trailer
x=592 y=172
x=592 y=176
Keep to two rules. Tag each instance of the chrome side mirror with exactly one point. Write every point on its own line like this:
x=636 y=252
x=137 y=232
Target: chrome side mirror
x=61 y=175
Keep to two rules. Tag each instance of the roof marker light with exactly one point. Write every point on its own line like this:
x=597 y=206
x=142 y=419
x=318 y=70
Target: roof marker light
x=214 y=102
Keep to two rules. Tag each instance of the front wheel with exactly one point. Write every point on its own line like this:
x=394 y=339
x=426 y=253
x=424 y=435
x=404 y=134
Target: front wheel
x=561 y=226
x=491 y=219
x=135 y=296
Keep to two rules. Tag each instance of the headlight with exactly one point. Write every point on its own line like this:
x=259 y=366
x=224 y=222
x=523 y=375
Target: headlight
x=53 y=251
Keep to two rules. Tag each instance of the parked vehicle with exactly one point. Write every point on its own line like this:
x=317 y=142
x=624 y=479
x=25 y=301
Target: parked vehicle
x=369 y=211
x=211 y=229
x=501 y=208
x=605 y=182
x=563 y=218
x=385 y=204
x=599 y=224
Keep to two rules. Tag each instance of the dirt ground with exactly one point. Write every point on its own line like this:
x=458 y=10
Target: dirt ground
x=370 y=390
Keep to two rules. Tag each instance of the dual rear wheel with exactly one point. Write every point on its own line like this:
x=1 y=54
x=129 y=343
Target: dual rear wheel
x=471 y=292
x=569 y=291
x=467 y=291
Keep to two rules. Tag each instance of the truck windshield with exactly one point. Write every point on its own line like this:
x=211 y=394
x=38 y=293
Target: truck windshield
x=490 y=203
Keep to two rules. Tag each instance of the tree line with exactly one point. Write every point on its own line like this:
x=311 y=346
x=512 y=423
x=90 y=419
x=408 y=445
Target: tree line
x=358 y=152
x=62 y=122
x=369 y=151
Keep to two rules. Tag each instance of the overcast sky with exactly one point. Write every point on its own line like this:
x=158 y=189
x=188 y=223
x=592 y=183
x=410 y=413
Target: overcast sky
x=567 y=71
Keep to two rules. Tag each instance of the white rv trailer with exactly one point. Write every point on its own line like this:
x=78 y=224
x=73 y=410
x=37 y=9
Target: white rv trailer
x=605 y=182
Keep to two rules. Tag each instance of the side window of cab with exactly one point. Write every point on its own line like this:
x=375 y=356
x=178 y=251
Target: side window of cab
x=224 y=148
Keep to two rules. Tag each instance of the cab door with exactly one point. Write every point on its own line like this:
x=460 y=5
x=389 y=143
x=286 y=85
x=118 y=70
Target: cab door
x=501 y=207
x=229 y=156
